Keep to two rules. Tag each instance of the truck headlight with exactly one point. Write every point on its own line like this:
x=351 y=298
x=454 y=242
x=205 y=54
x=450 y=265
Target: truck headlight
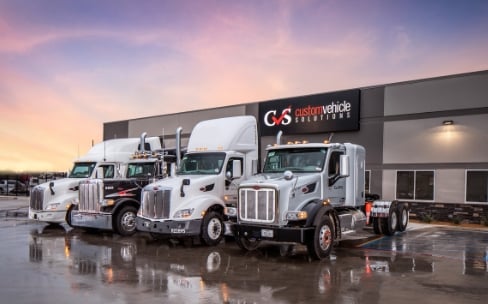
x=184 y=213
x=296 y=215
x=108 y=202
x=53 y=206
x=230 y=211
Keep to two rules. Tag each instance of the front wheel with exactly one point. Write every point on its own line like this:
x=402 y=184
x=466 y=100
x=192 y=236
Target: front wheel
x=246 y=243
x=212 y=228
x=321 y=244
x=68 y=214
x=125 y=221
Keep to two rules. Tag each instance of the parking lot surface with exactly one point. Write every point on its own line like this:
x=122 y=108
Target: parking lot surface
x=55 y=264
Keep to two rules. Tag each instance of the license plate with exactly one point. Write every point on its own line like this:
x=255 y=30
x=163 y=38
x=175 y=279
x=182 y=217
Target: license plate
x=267 y=233
x=177 y=230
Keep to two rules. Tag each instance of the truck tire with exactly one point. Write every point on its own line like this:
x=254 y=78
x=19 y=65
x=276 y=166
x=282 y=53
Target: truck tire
x=321 y=244
x=68 y=214
x=247 y=244
x=403 y=217
x=212 y=228
x=390 y=224
x=377 y=225
x=125 y=221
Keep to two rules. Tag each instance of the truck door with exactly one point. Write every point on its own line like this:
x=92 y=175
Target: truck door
x=231 y=185
x=334 y=186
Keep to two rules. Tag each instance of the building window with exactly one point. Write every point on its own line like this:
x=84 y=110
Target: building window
x=415 y=185
x=476 y=186
x=367 y=177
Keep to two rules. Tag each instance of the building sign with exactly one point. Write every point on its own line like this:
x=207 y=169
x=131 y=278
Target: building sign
x=321 y=113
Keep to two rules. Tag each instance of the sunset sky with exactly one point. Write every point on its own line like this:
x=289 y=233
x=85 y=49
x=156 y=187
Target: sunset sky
x=66 y=67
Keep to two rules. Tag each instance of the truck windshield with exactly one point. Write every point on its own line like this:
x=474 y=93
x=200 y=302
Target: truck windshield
x=295 y=160
x=141 y=170
x=82 y=170
x=202 y=163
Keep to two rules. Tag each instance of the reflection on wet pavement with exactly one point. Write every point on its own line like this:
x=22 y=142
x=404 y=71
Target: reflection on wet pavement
x=439 y=264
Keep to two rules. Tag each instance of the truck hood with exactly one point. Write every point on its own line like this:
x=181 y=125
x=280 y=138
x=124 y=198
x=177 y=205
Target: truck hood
x=300 y=189
x=277 y=180
x=61 y=185
x=202 y=183
x=64 y=191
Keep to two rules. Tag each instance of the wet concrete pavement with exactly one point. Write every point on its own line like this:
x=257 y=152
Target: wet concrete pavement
x=55 y=264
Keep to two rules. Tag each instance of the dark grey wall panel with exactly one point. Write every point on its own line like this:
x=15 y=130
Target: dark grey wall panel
x=117 y=129
x=187 y=120
x=466 y=91
x=372 y=102
x=429 y=141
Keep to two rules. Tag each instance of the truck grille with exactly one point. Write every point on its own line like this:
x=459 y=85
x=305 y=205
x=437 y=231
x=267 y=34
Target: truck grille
x=90 y=195
x=257 y=205
x=36 y=198
x=156 y=204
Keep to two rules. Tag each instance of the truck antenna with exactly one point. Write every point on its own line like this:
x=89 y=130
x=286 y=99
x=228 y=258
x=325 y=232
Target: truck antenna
x=330 y=137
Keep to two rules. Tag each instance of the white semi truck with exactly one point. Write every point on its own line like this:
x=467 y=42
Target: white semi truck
x=50 y=201
x=220 y=153
x=311 y=194
x=112 y=204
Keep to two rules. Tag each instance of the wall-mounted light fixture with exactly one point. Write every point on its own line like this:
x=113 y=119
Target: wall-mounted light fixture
x=448 y=122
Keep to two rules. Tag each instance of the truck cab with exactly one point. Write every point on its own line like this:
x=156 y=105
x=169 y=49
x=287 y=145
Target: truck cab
x=112 y=204
x=50 y=201
x=308 y=193
x=220 y=154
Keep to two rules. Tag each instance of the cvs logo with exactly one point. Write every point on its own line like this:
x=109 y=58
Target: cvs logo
x=284 y=119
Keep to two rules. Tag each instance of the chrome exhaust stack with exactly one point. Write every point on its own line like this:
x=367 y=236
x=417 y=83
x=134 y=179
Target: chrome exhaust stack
x=178 y=146
x=142 y=144
x=278 y=137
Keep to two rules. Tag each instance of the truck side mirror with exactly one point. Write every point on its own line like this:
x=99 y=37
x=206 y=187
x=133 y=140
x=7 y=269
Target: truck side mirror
x=344 y=166
x=343 y=170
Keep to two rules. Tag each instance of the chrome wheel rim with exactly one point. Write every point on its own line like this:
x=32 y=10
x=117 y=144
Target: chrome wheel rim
x=325 y=239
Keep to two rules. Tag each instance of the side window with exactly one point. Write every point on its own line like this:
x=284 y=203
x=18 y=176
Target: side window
x=415 y=185
x=477 y=186
x=108 y=171
x=334 y=163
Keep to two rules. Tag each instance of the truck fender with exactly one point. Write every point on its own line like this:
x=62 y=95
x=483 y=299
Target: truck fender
x=68 y=213
x=203 y=204
x=319 y=210
x=124 y=202
x=315 y=210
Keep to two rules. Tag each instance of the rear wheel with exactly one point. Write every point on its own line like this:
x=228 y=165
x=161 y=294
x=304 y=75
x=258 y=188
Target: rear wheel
x=377 y=223
x=321 y=244
x=212 y=228
x=125 y=221
x=403 y=217
x=389 y=225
